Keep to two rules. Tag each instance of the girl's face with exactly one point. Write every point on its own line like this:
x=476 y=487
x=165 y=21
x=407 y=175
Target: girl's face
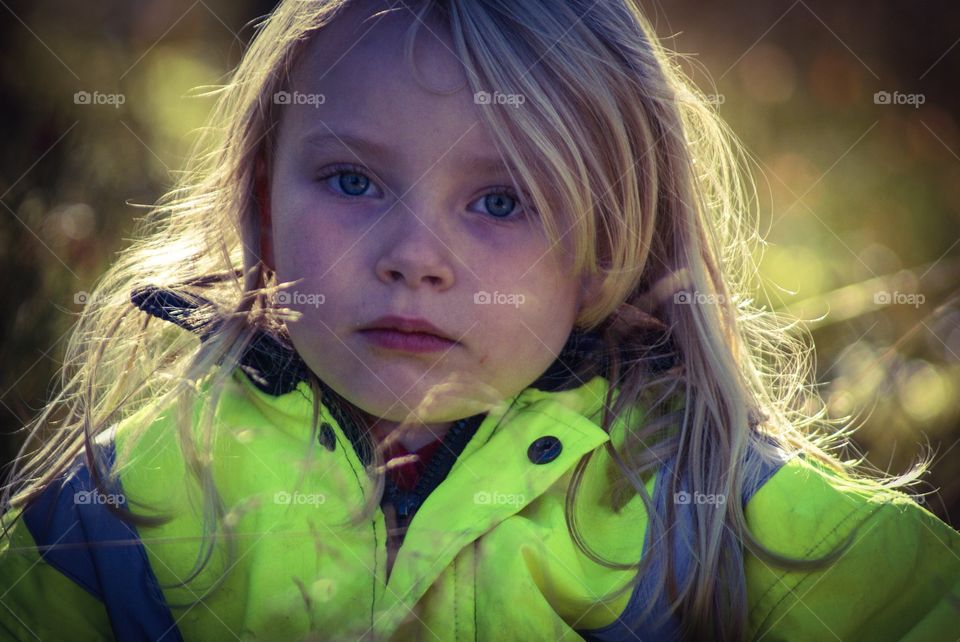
x=387 y=199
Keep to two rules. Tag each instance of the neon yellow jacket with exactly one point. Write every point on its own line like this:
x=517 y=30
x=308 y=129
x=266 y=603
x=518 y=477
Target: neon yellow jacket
x=487 y=556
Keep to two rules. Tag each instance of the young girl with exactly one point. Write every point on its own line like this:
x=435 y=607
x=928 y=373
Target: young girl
x=445 y=336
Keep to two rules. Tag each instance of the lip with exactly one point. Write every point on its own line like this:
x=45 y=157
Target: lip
x=407 y=334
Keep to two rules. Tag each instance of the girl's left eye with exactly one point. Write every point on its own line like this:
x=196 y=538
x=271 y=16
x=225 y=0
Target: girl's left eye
x=347 y=181
x=501 y=203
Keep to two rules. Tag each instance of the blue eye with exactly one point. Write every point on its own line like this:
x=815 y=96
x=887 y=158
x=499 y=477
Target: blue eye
x=502 y=203
x=353 y=184
x=347 y=180
x=499 y=205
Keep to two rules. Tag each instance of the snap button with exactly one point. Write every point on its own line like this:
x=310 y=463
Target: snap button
x=326 y=437
x=544 y=450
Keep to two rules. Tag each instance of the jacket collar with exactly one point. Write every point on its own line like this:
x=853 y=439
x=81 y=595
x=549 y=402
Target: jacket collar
x=270 y=361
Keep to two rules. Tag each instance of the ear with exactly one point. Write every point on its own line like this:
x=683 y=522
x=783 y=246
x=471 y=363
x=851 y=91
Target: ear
x=262 y=197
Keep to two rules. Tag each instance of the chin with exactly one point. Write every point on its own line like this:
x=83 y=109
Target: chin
x=425 y=411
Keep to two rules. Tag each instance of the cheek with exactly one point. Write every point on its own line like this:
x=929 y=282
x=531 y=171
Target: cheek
x=302 y=242
x=526 y=319
x=321 y=275
x=304 y=245
x=532 y=281
x=292 y=231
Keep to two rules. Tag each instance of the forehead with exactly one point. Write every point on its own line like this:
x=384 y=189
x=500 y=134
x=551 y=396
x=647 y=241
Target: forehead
x=358 y=64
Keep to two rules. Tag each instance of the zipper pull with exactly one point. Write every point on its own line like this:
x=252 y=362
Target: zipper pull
x=405 y=504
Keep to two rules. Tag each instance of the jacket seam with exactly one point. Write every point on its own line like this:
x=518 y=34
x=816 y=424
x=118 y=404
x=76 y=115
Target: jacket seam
x=353 y=470
x=456 y=595
x=373 y=584
x=810 y=550
x=475 y=626
x=779 y=580
x=376 y=542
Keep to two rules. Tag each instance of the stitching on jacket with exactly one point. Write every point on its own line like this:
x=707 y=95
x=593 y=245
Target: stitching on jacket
x=475 y=546
x=456 y=593
x=376 y=542
x=373 y=584
x=807 y=552
x=353 y=470
x=499 y=421
x=769 y=612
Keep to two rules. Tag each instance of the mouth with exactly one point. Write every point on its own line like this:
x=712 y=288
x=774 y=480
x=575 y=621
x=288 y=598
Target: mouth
x=407 y=335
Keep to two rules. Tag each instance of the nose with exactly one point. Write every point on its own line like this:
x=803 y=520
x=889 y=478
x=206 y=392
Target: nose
x=414 y=254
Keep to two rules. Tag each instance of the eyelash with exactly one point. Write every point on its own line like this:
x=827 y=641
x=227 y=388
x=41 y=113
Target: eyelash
x=347 y=168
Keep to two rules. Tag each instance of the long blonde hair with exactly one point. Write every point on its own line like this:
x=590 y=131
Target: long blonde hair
x=620 y=154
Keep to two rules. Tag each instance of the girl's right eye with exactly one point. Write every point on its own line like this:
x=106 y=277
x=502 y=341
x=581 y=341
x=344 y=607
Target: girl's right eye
x=348 y=181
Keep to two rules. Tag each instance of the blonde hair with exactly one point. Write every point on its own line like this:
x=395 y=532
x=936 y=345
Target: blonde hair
x=619 y=153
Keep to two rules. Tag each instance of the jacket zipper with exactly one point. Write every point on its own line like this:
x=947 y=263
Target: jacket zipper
x=406 y=504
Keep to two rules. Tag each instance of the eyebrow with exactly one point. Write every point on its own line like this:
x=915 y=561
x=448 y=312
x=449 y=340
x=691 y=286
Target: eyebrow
x=361 y=146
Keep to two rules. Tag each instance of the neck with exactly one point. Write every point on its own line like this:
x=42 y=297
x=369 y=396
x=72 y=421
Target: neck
x=413 y=437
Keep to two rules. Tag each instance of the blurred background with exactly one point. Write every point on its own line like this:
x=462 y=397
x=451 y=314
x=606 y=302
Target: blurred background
x=850 y=116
